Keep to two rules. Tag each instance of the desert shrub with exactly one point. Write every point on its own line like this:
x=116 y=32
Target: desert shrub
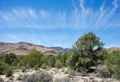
x=44 y=66
x=23 y=61
x=39 y=77
x=10 y=58
x=86 y=52
x=113 y=64
x=1 y=58
x=3 y=67
x=36 y=67
x=58 y=64
x=31 y=60
x=64 y=59
x=9 y=72
x=1 y=80
x=23 y=69
x=51 y=60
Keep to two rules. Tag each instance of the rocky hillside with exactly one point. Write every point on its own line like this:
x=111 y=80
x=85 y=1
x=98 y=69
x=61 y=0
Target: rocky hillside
x=23 y=48
x=113 y=49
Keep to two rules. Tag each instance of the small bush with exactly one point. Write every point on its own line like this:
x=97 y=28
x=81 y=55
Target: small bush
x=31 y=60
x=44 y=66
x=8 y=72
x=36 y=67
x=23 y=69
x=10 y=58
x=113 y=64
x=3 y=67
x=39 y=77
x=58 y=64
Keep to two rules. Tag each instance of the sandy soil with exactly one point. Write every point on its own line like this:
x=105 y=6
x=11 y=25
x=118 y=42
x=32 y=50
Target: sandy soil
x=56 y=74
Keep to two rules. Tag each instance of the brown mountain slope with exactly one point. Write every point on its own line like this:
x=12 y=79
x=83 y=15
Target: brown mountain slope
x=113 y=49
x=23 y=48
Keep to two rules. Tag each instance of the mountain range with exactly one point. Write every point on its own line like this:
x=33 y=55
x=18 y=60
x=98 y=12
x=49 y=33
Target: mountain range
x=24 y=48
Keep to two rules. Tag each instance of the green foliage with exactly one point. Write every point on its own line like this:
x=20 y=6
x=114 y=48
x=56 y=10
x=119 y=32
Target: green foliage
x=23 y=69
x=36 y=67
x=86 y=52
x=64 y=59
x=44 y=66
x=113 y=64
x=9 y=72
x=31 y=60
x=51 y=60
x=1 y=58
x=3 y=67
x=10 y=58
x=58 y=64
x=44 y=61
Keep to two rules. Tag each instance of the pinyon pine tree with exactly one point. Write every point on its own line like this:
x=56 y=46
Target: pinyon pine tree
x=86 y=52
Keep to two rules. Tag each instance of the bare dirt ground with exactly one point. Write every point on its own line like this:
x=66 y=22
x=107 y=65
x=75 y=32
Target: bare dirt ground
x=56 y=74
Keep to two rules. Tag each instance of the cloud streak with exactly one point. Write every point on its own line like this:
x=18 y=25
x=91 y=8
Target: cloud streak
x=12 y=37
x=79 y=18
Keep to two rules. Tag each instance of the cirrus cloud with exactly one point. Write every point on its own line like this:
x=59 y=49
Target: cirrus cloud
x=80 y=17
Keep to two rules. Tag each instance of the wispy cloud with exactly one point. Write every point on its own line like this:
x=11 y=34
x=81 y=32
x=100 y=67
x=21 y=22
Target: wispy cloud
x=82 y=6
x=12 y=37
x=80 y=17
x=115 y=3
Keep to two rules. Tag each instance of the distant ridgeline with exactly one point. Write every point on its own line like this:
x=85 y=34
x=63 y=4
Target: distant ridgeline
x=23 y=48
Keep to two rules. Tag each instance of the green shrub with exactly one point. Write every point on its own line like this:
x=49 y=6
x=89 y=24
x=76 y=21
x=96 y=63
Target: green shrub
x=23 y=69
x=51 y=60
x=3 y=67
x=32 y=59
x=9 y=72
x=86 y=52
x=36 y=67
x=64 y=58
x=44 y=66
x=58 y=64
x=10 y=59
x=113 y=64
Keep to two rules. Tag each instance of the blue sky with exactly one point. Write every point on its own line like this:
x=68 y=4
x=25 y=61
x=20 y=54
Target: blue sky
x=59 y=22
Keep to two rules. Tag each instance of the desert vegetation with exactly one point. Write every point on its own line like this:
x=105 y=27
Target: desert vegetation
x=85 y=57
